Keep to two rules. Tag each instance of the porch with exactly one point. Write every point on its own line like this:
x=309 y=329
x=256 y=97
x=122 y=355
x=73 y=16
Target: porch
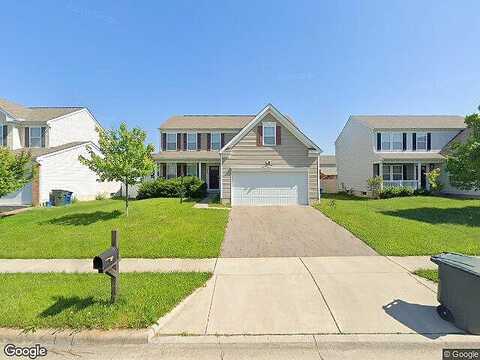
x=406 y=174
x=208 y=171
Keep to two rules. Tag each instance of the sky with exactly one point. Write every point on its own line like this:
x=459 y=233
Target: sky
x=317 y=61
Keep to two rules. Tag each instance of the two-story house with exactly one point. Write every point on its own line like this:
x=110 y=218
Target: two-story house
x=262 y=159
x=400 y=149
x=55 y=137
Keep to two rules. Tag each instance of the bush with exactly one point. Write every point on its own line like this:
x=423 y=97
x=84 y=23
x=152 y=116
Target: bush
x=374 y=185
x=187 y=186
x=101 y=196
x=395 y=191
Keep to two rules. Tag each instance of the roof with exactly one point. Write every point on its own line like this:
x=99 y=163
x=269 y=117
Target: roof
x=207 y=122
x=411 y=121
x=37 y=152
x=187 y=155
x=329 y=170
x=328 y=160
x=414 y=155
x=36 y=114
x=461 y=137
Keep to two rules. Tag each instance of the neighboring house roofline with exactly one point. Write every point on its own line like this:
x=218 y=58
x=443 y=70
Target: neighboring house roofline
x=387 y=122
x=282 y=119
x=66 y=147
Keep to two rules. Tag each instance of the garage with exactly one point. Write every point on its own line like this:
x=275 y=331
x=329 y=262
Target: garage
x=268 y=188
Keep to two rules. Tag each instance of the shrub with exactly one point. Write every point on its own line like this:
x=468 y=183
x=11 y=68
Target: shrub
x=374 y=185
x=433 y=177
x=395 y=191
x=187 y=186
x=101 y=196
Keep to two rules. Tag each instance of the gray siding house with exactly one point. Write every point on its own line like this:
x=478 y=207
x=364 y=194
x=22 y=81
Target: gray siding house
x=400 y=149
x=262 y=159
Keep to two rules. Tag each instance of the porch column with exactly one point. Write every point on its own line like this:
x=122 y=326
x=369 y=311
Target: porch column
x=199 y=172
x=419 y=174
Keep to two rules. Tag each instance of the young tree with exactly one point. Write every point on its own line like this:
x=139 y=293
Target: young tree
x=374 y=184
x=123 y=157
x=463 y=160
x=15 y=171
x=433 y=177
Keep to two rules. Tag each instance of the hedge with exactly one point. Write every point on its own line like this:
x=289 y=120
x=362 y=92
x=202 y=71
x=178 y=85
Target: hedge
x=192 y=187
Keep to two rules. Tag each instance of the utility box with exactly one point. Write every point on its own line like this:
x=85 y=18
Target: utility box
x=459 y=290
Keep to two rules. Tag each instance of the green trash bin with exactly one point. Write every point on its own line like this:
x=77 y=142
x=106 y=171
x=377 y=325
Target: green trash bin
x=57 y=197
x=459 y=290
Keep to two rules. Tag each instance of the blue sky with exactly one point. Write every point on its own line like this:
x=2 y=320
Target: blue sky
x=318 y=61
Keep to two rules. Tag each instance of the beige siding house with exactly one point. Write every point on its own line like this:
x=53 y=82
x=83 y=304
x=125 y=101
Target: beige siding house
x=261 y=159
x=400 y=149
x=328 y=174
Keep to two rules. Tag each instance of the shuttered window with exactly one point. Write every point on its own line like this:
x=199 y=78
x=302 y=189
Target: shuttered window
x=421 y=141
x=171 y=141
x=216 y=141
x=191 y=141
x=269 y=135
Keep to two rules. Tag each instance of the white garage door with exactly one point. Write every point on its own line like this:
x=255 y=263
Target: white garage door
x=20 y=197
x=270 y=188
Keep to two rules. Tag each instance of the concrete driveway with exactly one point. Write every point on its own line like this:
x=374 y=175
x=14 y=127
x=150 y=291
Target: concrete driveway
x=284 y=231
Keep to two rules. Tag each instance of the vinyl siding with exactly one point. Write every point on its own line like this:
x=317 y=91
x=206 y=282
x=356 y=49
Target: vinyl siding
x=291 y=153
x=79 y=126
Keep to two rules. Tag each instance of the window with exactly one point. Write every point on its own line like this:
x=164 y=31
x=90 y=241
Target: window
x=216 y=139
x=171 y=141
x=421 y=141
x=386 y=172
x=191 y=169
x=386 y=141
x=191 y=141
x=397 y=141
x=171 y=170
x=397 y=172
x=269 y=131
x=35 y=137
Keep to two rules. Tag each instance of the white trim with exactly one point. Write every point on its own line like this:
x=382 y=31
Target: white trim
x=176 y=140
x=196 y=140
x=30 y=137
x=270 y=109
x=221 y=178
x=273 y=125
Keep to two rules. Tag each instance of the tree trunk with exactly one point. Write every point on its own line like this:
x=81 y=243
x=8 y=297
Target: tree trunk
x=126 y=198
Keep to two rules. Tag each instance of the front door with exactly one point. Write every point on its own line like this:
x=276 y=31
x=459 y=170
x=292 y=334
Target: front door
x=423 y=177
x=213 y=177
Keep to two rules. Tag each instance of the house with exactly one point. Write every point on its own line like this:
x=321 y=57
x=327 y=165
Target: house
x=328 y=174
x=400 y=149
x=262 y=159
x=55 y=137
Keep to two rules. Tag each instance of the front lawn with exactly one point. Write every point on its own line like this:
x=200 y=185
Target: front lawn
x=81 y=301
x=419 y=225
x=155 y=228
x=431 y=275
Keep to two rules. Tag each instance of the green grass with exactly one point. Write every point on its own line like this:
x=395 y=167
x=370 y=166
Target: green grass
x=81 y=301
x=418 y=225
x=155 y=228
x=431 y=275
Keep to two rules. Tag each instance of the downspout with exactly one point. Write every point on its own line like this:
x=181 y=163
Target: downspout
x=221 y=178
x=318 y=177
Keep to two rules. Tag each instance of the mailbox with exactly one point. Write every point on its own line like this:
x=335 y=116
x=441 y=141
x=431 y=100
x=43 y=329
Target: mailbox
x=106 y=260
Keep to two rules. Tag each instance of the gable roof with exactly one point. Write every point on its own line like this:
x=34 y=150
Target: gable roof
x=461 y=137
x=36 y=114
x=328 y=160
x=411 y=121
x=285 y=121
x=207 y=122
x=38 y=152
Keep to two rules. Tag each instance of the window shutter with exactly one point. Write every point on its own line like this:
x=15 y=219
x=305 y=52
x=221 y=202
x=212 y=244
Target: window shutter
x=5 y=133
x=259 y=135
x=164 y=170
x=376 y=170
x=222 y=140
x=199 y=141
x=379 y=141
x=184 y=141
x=404 y=141
x=44 y=130
x=278 y=135
x=179 y=169
x=164 y=141
x=404 y=168
x=179 y=141
x=27 y=137
x=184 y=169
x=429 y=141
x=209 y=141
x=414 y=141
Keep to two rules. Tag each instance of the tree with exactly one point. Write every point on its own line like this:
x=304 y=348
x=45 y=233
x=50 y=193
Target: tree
x=433 y=177
x=463 y=159
x=123 y=157
x=16 y=170
x=374 y=185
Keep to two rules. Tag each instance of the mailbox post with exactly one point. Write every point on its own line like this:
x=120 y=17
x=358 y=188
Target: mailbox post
x=108 y=263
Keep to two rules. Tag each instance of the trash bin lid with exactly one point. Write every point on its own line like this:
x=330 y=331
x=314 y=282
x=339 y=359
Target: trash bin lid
x=466 y=263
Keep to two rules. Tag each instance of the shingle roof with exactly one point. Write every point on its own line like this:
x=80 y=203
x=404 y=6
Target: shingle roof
x=411 y=121
x=461 y=137
x=328 y=160
x=207 y=122
x=36 y=114
x=187 y=155
x=37 y=152
x=414 y=155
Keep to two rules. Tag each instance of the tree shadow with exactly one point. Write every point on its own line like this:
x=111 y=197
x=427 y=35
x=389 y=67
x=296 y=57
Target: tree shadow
x=468 y=215
x=75 y=303
x=84 y=218
x=422 y=319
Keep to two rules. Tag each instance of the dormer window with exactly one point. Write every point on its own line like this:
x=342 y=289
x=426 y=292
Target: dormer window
x=35 y=137
x=171 y=141
x=269 y=134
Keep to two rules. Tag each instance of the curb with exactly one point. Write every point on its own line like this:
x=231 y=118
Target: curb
x=76 y=337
